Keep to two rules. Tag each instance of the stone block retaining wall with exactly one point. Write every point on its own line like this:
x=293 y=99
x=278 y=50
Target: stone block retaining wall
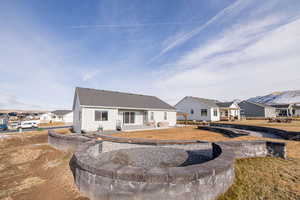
x=98 y=177
x=111 y=181
x=66 y=142
x=289 y=135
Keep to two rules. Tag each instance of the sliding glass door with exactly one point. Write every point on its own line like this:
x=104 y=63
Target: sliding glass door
x=128 y=117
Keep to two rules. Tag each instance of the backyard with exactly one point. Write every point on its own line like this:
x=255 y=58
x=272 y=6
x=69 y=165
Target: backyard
x=256 y=178
x=293 y=126
x=31 y=169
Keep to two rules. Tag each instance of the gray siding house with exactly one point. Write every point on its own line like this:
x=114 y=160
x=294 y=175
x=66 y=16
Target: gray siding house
x=251 y=109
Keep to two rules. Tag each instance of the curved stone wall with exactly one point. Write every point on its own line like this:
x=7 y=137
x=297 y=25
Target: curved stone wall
x=116 y=180
x=259 y=148
x=109 y=167
x=226 y=131
x=107 y=172
x=289 y=135
x=66 y=142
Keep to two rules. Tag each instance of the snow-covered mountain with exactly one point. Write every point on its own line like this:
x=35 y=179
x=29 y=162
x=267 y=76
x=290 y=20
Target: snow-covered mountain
x=285 y=97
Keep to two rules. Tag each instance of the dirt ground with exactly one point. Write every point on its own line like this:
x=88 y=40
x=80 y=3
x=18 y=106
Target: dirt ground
x=52 y=124
x=31 y=169
x=294 y=126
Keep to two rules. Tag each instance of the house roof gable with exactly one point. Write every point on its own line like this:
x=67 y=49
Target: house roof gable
x=104 y=98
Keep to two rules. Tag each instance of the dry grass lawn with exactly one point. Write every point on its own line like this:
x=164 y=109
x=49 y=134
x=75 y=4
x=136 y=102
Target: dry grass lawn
x=294 y=126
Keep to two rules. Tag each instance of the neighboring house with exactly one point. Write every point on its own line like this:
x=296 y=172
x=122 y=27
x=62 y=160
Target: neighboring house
x=199 y=109
x=283 y=110
x=251 y=109
x=287 y=110
x=62 y=116
x=296 y=110
x=229 y=110
x=46 y=117
x=107 y=110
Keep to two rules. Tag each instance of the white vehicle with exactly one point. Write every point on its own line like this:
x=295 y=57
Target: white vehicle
x=27 y=125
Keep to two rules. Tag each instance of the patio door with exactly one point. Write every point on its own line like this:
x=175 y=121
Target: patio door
x=145 y=117
x=128 y=117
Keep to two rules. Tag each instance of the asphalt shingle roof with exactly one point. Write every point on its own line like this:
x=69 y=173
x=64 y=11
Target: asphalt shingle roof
x=61 y=112
x=225 y=104
x=210 y=102
x=93 y=97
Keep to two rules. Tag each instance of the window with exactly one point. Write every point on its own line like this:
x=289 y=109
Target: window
x=165 y=116
x=192 y=111
x=101 y=115
x=152 y=116
x=215 y=112
x=129 y=117
x=80 y=115
x=203 y=112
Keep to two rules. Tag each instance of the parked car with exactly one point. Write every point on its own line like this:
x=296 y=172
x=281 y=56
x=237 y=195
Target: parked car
x=14 y=124
x=27 y=125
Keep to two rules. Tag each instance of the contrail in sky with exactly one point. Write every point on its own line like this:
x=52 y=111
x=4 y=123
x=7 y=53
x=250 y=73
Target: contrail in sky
x=130 y=25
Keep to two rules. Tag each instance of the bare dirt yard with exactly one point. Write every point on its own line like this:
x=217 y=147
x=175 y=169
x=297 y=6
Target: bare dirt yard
x=293 y=126
x=52 y=124
x=31 y=169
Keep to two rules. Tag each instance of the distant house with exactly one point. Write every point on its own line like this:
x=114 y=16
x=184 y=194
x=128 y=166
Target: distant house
x=62 y=116
x=199 y=109
x=107 y=110
x=296 y=110
x=251 y=109
x=287 y=110
x=46 y=117
x=229 y=110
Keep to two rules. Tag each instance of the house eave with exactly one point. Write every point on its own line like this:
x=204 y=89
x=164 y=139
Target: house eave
x=128 y=108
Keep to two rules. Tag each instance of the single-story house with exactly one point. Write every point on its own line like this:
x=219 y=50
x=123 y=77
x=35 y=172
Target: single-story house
x=251 y=109
x=296 y=110
x=199 y=109
x=283 y=110
x=229 y=110
x=287 y=110
x=108 y=110
x=62 y=116
x=46 y=117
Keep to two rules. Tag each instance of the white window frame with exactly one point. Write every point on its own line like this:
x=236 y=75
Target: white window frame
x=101 y=115
x=202 y=113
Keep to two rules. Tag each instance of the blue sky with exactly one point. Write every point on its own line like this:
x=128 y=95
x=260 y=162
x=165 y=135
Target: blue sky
x=222 y=49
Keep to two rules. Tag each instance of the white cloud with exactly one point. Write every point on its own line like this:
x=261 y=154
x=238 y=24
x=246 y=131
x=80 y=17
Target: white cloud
x=90 y=75
x=175 y=41
x=269 y=63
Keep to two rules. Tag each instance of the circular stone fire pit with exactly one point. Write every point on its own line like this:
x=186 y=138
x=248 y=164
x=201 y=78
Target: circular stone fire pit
x=145 y=158
x=152 y=173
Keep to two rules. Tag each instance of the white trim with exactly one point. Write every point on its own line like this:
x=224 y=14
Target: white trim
x=129 y=108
